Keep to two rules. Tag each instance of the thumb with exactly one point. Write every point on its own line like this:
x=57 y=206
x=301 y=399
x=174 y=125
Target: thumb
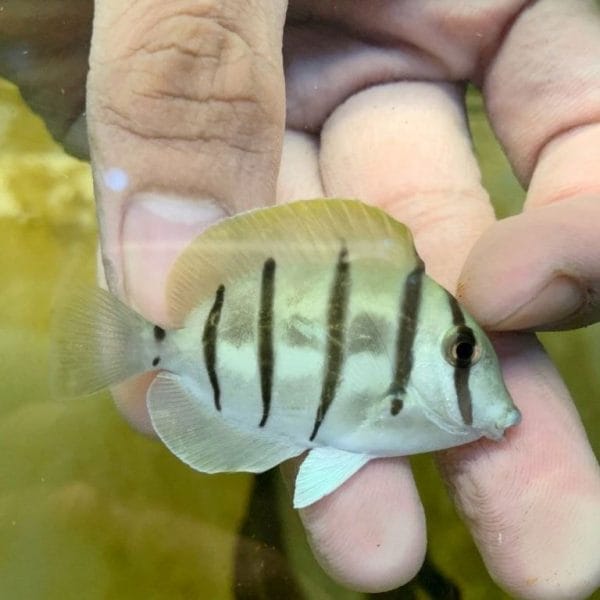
x=539 y=270
x=185 y=111
x=186 y=116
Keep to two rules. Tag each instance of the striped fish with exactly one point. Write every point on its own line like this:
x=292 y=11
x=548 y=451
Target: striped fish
x=307 y=326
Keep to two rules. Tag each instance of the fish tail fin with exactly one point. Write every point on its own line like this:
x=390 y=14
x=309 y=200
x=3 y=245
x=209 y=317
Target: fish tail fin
x=97 y=341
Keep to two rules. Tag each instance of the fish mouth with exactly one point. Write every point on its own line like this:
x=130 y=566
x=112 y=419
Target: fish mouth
x=494 y=433
x=511 y=418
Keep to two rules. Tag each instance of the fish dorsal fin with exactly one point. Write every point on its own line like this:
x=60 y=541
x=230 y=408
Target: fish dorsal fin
x=201 y=437
x=305 y=231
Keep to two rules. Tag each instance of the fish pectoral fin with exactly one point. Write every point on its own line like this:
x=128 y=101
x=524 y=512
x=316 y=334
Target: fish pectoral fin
x=201 y=436
x=323 y=471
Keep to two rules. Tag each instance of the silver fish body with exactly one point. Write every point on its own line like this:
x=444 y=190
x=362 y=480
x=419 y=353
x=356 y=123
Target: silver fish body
x=298 y=331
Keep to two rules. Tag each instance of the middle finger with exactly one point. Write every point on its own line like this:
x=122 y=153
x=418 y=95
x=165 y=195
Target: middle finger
x=355 y=536
x=406 y=148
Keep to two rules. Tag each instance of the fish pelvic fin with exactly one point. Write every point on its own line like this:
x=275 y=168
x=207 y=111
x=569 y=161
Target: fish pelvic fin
x=96 y=341
x=323 y=471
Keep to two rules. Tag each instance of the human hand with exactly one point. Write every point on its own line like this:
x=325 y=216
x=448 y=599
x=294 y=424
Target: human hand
x=405 y=147
x=186 y=122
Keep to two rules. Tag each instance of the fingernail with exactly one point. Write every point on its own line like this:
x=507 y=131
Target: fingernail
x=558 y=301
x=156 y=228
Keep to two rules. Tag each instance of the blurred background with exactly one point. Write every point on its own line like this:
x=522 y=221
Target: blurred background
x=91 y=509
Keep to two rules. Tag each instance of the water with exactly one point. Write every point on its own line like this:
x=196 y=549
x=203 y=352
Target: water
x=91 y=509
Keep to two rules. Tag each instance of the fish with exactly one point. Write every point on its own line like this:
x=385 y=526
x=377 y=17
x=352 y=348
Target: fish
x=308 y=327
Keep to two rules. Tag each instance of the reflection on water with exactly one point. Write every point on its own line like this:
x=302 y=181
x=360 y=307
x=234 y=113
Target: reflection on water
x=89 y=508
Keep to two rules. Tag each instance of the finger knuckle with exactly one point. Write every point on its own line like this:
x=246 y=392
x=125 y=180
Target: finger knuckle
x=189 y=74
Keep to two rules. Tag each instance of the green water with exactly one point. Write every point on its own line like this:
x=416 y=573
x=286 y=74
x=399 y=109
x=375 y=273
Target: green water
x=91 y=509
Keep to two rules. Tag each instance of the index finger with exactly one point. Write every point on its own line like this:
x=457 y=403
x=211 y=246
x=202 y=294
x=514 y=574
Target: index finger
x=539 y=270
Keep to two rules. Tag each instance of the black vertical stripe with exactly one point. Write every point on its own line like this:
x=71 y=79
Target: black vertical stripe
x=336 y=334
x=458 y=318
x=410 y=303
x=461 y=371
x=461 y=383
x=209 y=343
x=265 y=336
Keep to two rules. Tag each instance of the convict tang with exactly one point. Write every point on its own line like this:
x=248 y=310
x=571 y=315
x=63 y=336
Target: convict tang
x=306 y=326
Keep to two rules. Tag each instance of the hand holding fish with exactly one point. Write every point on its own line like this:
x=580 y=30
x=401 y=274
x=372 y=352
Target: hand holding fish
x=190 y=121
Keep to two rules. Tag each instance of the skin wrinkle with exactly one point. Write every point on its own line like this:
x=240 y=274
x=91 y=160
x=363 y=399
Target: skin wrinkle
x=558 y=274
x=124 y=10
x=205 y=11
x=198 y=130
x=422 y=212
x=173 y=47
x=235 y=105
x=367 y=85
x=226 y=32
x=357 y=34
x=489 y=53
x=449 y=33
x=554 y=95
x=172 y=144
x=551 y=182
x=565 y=194
x=229 y=51
x=535 y=497
x=474 y=501
x=232 y=102
x=210 y=17
x=369 y=66
x=124 y=122
x=154 y=136
x=545 y=141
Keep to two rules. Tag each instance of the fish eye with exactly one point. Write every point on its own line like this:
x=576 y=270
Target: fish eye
x=461 y=348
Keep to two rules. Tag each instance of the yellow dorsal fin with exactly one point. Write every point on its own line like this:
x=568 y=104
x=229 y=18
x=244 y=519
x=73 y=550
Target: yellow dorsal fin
x=305 y=231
